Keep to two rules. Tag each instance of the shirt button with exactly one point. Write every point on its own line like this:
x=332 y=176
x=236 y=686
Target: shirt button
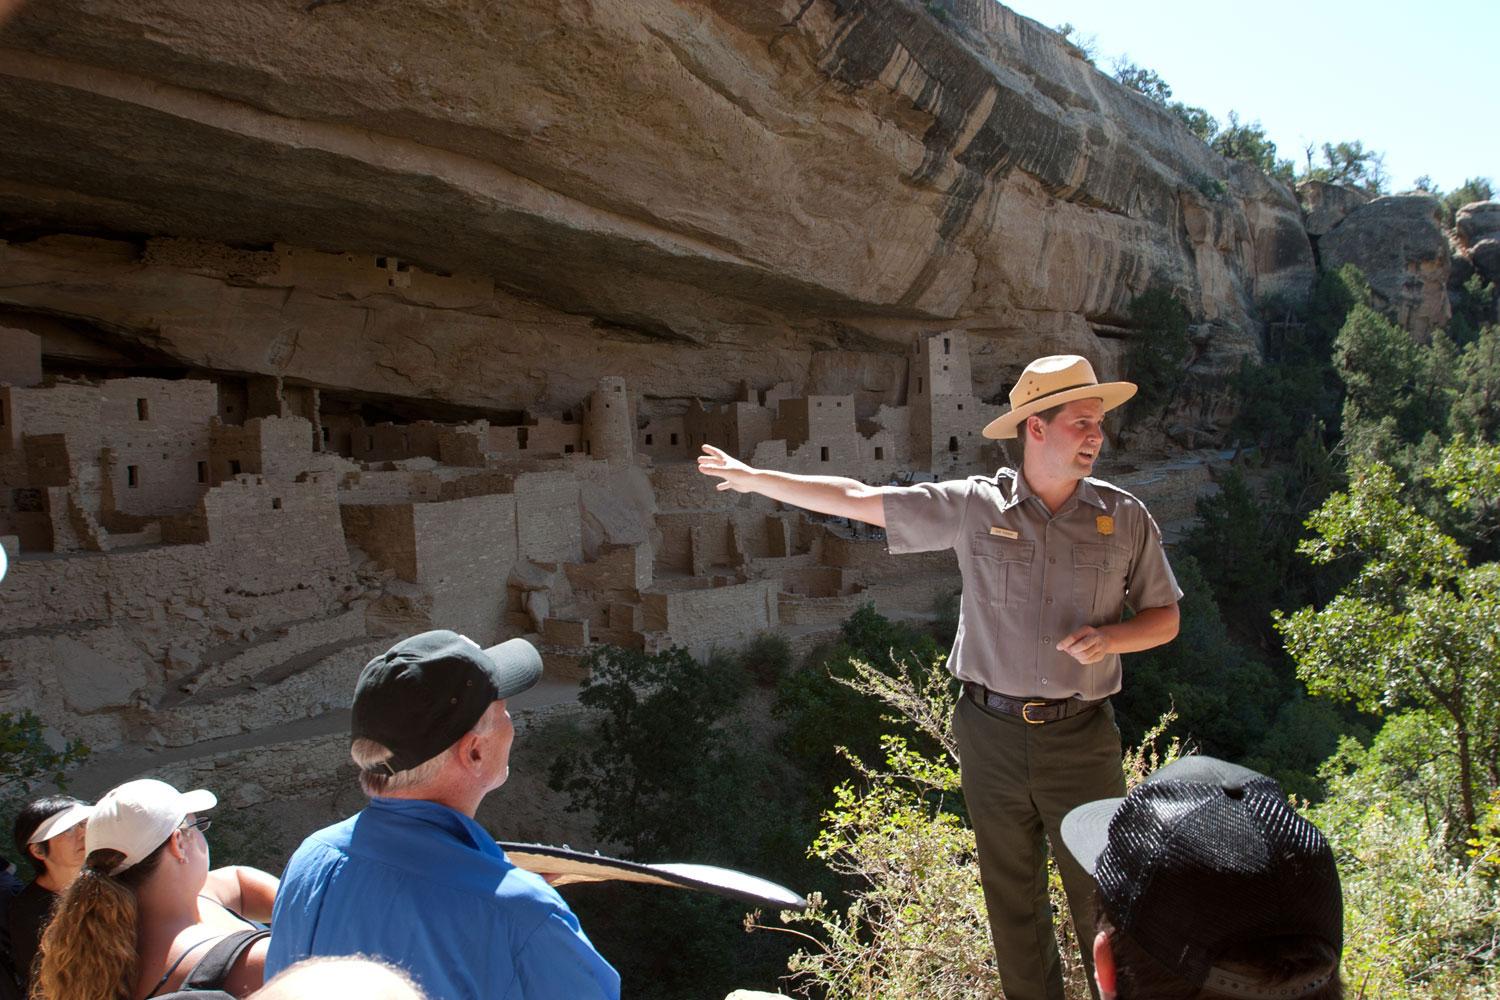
x=1052 y=559
x=1046 y=638
x=1049 y=600
x=1044 y=681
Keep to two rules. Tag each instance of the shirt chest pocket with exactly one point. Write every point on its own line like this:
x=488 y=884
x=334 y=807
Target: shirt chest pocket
x=1001 y=570
x=1099 y=581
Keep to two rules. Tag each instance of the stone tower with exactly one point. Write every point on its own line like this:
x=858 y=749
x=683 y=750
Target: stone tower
x=945 y=416
x=608 y=431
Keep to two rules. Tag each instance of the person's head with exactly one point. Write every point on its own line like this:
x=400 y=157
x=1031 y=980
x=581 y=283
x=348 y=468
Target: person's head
x=1059 y=387
x=143 y=836
x=430 y=718
x=1210 y=885
x=354 y=977
x=49 y=833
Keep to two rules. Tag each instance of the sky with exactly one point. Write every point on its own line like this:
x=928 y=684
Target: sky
x=1414 y=81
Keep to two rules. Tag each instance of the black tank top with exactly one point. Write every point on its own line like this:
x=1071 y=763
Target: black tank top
x=212 y=969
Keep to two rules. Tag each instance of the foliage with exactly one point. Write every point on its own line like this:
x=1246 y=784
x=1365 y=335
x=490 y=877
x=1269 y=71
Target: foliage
x=669 y=774
x=1419 y=922
x=28 y=760
x=1087 y=46
x=1146 y=82
x=1248 y=143
x=1472 y=190
x=662 y=765
x=819 y=710
x=1476 y=403
x=1474 y=308
x=1150 y=83
x=1296 y=389
x=1397 y=391
x=1350 y=164
x=1415 y=627
x=1225 y=698
x=1159 y=353
x=768 y=658
x=916 y=925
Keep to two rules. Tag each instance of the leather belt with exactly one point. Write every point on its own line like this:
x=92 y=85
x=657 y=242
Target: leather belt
x=1036 y=711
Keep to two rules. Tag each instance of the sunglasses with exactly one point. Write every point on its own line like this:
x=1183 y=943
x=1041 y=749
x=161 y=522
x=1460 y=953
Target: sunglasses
x=201 y=825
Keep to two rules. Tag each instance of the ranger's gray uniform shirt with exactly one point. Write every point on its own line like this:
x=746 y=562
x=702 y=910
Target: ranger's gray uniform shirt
x=1032 y=578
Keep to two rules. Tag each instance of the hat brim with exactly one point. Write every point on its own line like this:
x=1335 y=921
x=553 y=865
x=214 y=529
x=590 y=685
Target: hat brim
x=1085 y=831
x=60 y=823
x=1112 y=393
x=515 y=666
x=197 y=801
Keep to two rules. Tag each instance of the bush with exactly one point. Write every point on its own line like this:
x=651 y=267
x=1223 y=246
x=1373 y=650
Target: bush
x=1249 y=143
x=916 y=926
x=767 y=659
x=1472 y=190
x=1419 y=922
x=27 y=760
x=1159 y=353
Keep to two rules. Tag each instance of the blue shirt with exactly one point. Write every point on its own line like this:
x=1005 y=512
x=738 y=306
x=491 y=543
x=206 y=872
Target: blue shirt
x=426 y=888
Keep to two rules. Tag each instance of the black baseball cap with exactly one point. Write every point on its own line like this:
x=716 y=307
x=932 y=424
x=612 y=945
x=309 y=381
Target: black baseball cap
x=1204 y=855
x=424 y=693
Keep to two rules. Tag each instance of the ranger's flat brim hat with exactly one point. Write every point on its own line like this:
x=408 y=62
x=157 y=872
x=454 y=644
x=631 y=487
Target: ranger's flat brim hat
x=1053 y=381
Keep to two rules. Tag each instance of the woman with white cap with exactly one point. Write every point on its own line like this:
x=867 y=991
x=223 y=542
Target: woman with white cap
x=145 y=916
x=48 y=832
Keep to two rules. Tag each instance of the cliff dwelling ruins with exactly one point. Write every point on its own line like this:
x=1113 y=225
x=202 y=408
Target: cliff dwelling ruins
x=309 y=344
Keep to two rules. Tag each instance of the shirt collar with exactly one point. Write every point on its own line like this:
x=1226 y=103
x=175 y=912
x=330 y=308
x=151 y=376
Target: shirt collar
x=449 y=820
x=1088 y=494
x=1085 y=493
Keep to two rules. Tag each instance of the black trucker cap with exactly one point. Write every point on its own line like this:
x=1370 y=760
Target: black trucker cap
x=421 y=695
x=1204 y=855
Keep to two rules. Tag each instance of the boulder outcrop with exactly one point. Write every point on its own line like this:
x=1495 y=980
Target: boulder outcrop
x=1325 y=205
x=1399 y=244
x=1476 y=237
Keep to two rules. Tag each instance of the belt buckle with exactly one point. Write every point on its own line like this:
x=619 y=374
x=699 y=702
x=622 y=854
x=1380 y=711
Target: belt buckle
x=1026 y=713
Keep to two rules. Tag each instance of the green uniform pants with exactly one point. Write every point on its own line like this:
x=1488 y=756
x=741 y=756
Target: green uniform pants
x=1019 y=781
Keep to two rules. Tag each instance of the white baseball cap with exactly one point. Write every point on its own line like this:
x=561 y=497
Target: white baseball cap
x=137 y=817
x=61 y=822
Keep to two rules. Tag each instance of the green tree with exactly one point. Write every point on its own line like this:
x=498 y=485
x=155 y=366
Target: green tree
x=1248 y=143
x=1350 y=163
x=820 y=712
x=27 y=760
x=1158 y=356
x=1143 y=81
x=1472 y=190
x=1398 y=391
x=662 y=765
x=1474 y=309
x=1295 y=390
x=1416 y=627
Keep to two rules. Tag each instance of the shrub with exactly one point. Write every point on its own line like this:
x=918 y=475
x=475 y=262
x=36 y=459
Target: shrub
x=916 y=924
x=1158 y=356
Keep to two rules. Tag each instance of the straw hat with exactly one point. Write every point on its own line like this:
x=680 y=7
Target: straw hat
x=1053 y=381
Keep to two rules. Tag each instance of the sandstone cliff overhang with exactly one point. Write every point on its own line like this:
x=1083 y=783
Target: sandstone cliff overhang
x=686 y=171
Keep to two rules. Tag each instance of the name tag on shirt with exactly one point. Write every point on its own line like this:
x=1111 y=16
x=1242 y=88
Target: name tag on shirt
x=1005 y=533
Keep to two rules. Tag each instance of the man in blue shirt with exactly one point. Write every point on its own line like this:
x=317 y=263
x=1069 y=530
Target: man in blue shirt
x=413 y=879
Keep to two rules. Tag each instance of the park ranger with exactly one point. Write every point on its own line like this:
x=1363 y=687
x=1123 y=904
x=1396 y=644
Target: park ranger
x=1050 y=559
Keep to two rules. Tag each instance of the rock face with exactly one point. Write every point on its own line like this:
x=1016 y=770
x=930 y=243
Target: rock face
x=1325 y=205
x=1399 y=244
x=724 y=180
x=1476 y=232
x=324 y=322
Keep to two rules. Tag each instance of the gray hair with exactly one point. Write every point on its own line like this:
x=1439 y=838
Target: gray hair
x=369 y=754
